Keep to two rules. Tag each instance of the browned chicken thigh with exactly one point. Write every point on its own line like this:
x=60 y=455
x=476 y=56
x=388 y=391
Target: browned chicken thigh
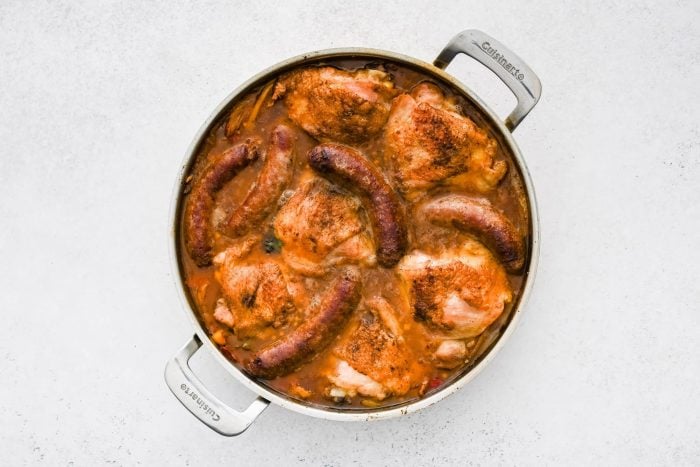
x=430 y=142
x=458 y=292
x=257 y=296
x=373 y=359
x=337 y=105
x=321 y=226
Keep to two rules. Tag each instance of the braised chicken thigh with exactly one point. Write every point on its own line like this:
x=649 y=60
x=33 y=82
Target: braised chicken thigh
x=337 y=105
x=256 y=296
x=373 y=360
x=320 y=226
x=430 y=143
x=460 y=291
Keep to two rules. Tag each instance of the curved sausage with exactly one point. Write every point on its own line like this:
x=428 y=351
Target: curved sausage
x=200 y=202
x=333 y=309
x=478 y=217
x=272 y=180
x=381 y=201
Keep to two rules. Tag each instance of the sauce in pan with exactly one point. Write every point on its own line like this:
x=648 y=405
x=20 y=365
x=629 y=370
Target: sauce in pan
x=416 y=320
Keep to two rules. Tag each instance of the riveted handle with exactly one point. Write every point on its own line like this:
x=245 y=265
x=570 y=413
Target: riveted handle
x=520 y=79
x=190 y=391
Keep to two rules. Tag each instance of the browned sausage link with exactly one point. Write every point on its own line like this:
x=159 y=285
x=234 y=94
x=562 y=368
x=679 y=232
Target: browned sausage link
x=381 y=201
x=331 y=313
x=200 y=202
x=478 y=217
x=272 y=180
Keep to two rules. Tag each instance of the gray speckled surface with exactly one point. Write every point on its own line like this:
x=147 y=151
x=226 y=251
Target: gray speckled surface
x=99 y=103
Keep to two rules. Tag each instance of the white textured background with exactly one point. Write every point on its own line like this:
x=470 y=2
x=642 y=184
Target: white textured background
x=98 y=103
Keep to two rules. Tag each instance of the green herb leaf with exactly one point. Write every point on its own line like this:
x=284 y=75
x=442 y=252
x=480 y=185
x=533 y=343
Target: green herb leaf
x=271 y=244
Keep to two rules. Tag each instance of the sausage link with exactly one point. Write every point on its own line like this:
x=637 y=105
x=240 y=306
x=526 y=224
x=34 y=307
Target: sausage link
x=272 y=180
x=200 y=202
x=333 y=309
x=478 y=217
x=381 y=201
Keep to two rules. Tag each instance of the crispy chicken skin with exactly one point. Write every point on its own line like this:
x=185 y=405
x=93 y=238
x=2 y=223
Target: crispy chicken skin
x=429 y=143
x=373 y=359
x=321 y=226
x=256 y=295
x=459 y=292
x=337 y=105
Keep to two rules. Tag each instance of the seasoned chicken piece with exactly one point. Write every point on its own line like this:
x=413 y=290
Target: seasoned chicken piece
x=459 y=292
x=256 y=295
x=337 y=105
x=387 y=314
x=321 y=226
x=373 y=360
x=430 y=143
x=222 y=313
x=451 y=353
x=350 y=382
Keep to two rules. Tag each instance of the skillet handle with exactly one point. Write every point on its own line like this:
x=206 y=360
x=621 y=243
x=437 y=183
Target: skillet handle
x=520 y=79
x=190 y=391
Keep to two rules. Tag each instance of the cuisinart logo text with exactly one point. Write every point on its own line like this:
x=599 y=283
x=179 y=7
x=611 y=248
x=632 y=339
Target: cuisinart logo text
x=202 y=405
x=501 y=60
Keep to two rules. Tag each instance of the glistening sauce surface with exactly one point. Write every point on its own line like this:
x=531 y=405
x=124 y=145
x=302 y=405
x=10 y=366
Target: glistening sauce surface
x=257 y=115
